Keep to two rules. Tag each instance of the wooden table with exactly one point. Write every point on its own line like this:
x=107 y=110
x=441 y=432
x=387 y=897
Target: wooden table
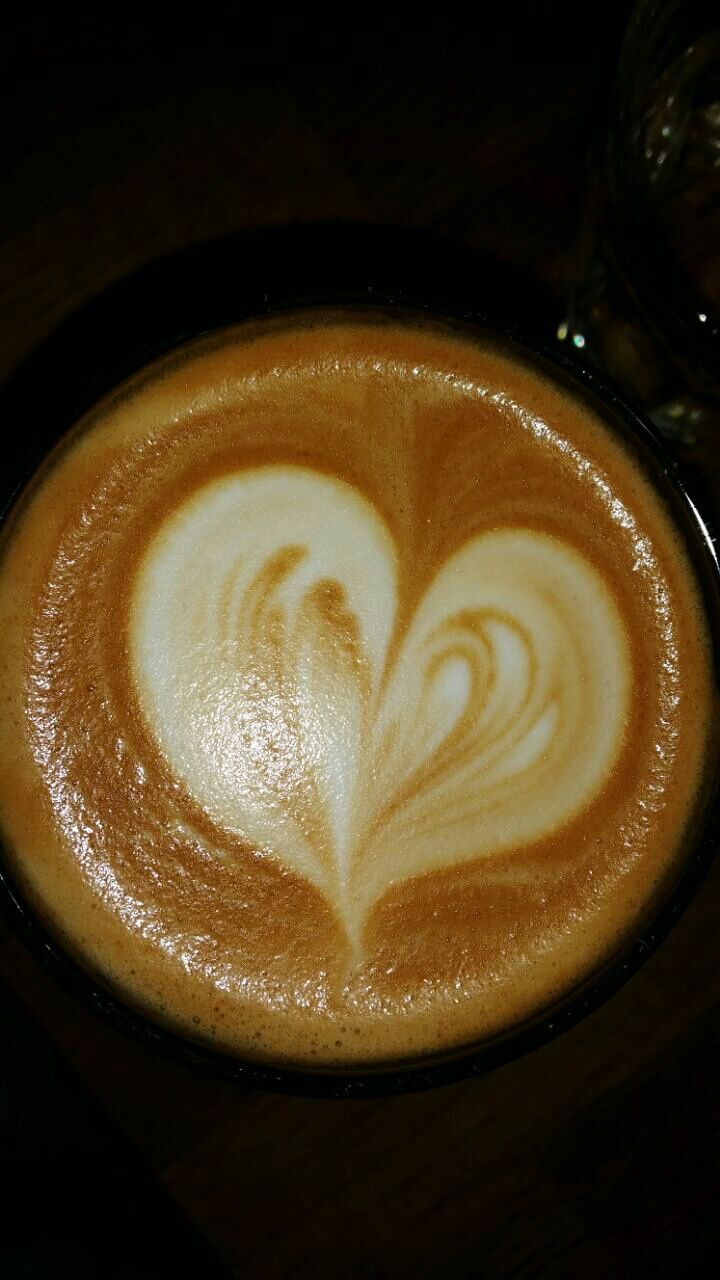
x=599 y=1154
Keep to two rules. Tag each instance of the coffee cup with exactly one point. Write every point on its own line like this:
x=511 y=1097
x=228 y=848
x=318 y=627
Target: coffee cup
x=360 y=697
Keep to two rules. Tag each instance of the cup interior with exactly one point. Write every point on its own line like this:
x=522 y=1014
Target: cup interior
x=85 y=385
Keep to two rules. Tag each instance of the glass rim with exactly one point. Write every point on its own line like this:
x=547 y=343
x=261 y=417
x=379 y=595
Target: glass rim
x=470 y=1059
x=686 y=324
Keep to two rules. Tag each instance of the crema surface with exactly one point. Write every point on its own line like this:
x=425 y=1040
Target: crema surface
x=357 y=691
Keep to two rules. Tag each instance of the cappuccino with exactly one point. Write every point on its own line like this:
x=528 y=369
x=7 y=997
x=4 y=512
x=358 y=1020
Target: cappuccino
x=357 y=691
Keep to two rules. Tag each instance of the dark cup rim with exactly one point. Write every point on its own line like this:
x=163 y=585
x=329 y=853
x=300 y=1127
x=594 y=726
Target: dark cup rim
x=471 y=1059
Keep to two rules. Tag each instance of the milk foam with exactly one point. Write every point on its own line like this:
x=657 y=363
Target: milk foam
x=275 y=677
x=357 y=694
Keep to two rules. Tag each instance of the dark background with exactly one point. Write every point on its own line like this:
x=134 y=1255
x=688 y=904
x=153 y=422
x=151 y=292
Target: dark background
x=125 y=138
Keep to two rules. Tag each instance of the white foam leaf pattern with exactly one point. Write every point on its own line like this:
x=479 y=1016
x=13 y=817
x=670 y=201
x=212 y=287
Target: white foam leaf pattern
x=263 y=622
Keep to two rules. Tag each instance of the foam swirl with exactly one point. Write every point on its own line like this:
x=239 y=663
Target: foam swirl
x=307 y=716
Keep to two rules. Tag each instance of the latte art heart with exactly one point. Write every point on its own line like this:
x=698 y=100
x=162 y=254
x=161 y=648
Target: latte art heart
x=360 y=748
x=357 y=695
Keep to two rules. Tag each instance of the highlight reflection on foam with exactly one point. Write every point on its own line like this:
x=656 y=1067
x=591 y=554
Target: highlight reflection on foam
x=271 y=670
